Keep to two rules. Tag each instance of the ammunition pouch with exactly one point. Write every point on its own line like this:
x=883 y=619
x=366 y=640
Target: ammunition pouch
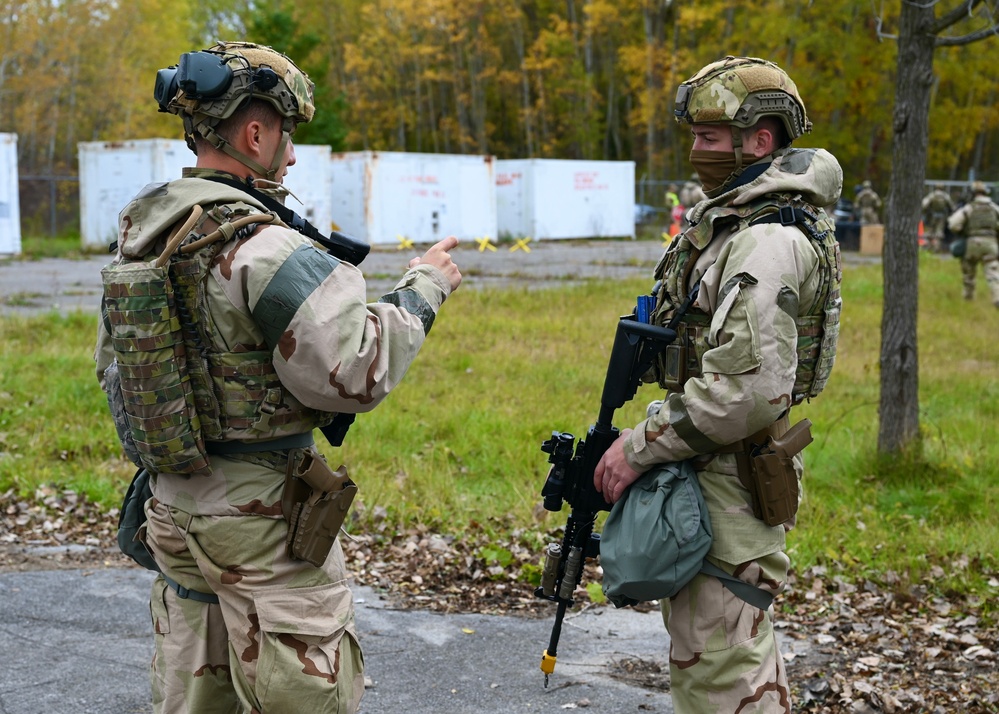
x=766 y=468
x=315 y=502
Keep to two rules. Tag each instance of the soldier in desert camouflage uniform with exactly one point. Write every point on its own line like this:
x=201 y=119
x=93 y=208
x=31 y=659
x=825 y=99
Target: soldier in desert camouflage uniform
x=978 y=222
x=289 y=341
x=937 y=206
x=759 y=338
x=868 y=202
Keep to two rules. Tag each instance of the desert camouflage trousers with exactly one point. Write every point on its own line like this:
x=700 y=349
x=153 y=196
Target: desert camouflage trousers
x=723 y=655
x=986 y=252
x=282 y=637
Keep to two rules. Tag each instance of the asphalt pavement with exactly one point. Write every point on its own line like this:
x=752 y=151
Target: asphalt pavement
x=30 y=287
x=80 y=641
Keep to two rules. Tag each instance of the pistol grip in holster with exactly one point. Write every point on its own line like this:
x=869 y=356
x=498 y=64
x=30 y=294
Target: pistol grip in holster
x=774 y=479
x=315 y=502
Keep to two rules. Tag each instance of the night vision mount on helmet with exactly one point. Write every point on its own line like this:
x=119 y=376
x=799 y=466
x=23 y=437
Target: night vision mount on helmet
x=207 y=87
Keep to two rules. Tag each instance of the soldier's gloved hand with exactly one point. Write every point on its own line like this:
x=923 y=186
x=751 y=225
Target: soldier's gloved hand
x=439 y=257
x=613 y=475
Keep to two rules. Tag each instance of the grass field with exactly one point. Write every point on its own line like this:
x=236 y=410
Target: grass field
x=457 y=444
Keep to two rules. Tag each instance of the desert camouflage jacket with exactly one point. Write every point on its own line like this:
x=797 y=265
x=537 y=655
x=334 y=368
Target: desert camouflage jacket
x=755 y=282
x=275 y=292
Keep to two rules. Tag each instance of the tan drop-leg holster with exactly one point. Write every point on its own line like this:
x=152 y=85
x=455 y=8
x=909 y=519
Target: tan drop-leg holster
x=315 y=502
x=766 y=468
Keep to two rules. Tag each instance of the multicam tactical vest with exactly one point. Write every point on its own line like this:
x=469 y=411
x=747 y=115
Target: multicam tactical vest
x=178 y=389
x=982 y=220
x=818 y=326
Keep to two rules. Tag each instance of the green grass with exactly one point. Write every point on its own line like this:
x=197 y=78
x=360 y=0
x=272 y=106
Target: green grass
x=34 y=247
x=456 y=446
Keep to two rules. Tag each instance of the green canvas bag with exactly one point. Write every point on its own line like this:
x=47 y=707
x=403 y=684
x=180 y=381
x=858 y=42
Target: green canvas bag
x=656 y=536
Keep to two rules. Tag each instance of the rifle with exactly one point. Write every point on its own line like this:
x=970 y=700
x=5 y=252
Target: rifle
x=570 y=479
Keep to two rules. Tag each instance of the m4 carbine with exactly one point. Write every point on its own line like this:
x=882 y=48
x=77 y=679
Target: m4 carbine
x=570 y=478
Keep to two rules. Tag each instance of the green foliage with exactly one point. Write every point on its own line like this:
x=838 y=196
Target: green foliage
x=593 y=79
x=595 y=592
x=274 y=24
x=63 y=246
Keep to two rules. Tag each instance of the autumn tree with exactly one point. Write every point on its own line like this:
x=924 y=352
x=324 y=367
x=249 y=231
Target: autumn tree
x=923 y=27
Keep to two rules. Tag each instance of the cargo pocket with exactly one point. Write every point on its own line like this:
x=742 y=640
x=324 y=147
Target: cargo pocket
x=733 y=340
x=309 y=656
x=160 y=617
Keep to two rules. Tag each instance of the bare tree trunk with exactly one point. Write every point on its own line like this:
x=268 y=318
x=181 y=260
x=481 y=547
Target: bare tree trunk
x=899 y=422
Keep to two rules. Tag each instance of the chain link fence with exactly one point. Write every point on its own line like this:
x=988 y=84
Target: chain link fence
x=50 y=205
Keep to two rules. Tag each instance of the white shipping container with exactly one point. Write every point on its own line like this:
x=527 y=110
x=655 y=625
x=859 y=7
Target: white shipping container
x=10 y=206
x=311 y=180
x=387 y=197
x=554 y=198
x=113 y=172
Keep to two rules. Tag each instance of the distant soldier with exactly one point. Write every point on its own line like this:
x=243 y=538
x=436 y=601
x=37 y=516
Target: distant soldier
x=937 y=206
x=978 y=223
x=691 y=194
x=868 y=202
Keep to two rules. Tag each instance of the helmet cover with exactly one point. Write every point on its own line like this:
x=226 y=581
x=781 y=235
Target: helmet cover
x=247 y=71
x=739 y=91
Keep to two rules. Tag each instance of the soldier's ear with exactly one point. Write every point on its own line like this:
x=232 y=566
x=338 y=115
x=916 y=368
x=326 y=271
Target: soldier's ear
x=762 y=142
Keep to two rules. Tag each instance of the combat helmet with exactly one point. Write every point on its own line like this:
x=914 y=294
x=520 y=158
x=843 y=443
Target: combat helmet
x=979 y=188
x=738 y=91
x=207 y=87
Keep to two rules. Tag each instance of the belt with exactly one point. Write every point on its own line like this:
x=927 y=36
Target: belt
x=295 y=441
x=745 y=446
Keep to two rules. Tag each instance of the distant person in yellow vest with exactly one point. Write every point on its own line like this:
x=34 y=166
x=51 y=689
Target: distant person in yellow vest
x=868 y=202
x=937 y=206
x=672 y=198
x=977 y=222
x=673 y=210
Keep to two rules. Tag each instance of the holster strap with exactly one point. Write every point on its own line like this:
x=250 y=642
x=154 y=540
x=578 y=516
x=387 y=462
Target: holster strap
x=743 y=449
x=186 y=594
x=760 y=599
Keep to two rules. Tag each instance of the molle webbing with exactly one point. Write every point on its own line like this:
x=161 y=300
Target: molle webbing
x=982 y=220
x=179 y=391
x=152 y=360
x=818 y=328
x=817 y=324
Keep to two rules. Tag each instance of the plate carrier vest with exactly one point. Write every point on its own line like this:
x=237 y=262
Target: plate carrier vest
x=982 y=220
x=176 y=388
x=818 y=327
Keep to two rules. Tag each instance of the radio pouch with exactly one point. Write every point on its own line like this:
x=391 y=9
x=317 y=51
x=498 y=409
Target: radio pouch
x=774 y=480
x=315 y=503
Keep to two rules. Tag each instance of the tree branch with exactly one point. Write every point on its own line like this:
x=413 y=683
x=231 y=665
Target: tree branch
x=959 y=13
x=967 y=39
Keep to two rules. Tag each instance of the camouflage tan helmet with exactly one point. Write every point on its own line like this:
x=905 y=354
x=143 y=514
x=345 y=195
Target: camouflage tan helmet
x=207 y=87
x=979 y=188
x=738 y=91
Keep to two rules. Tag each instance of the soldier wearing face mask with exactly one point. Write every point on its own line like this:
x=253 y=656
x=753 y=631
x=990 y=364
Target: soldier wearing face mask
x=759 y=338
